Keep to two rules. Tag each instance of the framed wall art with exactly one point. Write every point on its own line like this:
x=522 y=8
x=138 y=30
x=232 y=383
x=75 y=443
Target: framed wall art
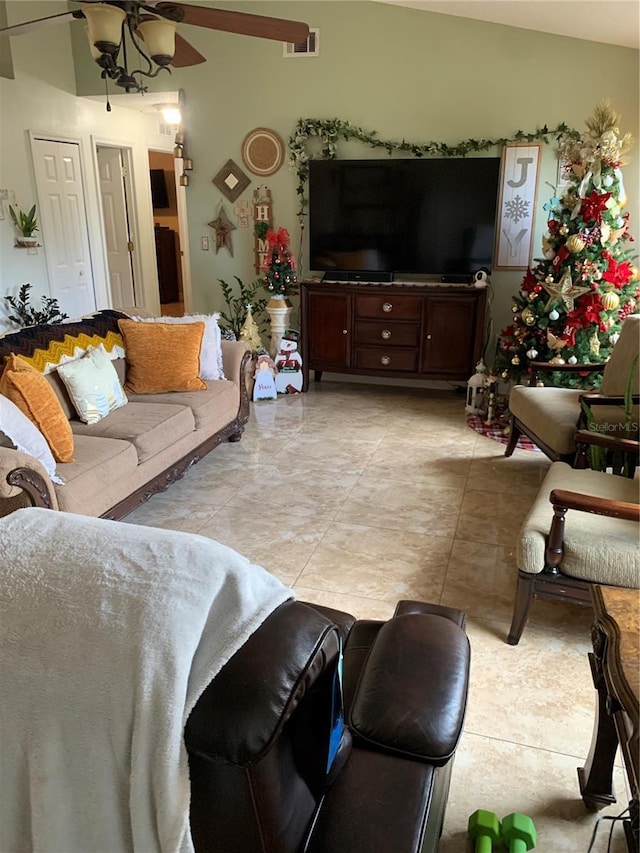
x=516 y=209
x=231 y=180
x=263 y=151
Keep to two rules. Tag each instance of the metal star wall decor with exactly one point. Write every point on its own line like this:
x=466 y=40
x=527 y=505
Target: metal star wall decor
x=223 y=227
x=563 y=291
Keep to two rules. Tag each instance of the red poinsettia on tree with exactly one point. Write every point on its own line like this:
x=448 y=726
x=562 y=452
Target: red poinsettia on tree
x=572 y=303
x=279 y=264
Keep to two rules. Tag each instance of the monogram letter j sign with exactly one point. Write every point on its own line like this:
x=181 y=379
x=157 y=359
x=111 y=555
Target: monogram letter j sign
x=517 y=206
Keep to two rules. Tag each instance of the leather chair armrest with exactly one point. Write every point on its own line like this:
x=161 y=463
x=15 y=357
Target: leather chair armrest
x=411 y=697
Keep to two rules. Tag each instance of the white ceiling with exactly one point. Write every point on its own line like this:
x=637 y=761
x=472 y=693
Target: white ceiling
x=608 y=21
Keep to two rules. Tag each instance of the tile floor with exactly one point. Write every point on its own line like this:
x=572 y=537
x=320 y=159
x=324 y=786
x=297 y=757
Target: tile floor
x=358 y=495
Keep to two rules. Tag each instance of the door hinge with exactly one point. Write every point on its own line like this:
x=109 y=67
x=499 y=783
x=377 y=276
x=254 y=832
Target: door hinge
x=125 y=171
x=130 y=246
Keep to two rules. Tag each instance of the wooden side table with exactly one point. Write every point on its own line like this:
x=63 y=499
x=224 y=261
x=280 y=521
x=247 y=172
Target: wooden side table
x=615 y=667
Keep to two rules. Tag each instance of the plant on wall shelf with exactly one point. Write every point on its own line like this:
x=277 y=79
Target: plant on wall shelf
x=26 y=224
x=233 y=319
x=26 y=315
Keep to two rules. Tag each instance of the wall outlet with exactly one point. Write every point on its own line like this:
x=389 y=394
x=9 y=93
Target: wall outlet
x=204 y=244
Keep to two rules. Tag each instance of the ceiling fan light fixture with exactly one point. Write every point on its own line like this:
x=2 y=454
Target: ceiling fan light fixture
x=159 y=37
x=104 y=26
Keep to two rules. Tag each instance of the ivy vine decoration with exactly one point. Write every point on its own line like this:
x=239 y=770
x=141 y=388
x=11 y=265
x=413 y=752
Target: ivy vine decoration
x=329 y=132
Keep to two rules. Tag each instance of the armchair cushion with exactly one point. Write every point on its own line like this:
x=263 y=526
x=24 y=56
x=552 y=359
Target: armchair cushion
x=616 y=373
x=597 y=548
x=550 y=413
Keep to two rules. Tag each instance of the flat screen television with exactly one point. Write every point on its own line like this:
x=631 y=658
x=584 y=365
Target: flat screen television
x=431 y=217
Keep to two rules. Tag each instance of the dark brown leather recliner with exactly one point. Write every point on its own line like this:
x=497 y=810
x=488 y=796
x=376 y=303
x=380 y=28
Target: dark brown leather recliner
x=260 y=737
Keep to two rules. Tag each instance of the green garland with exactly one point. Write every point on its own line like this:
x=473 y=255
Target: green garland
x=330 y=131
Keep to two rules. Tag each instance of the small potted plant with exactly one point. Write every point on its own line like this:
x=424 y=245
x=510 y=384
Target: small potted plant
x=26 y=225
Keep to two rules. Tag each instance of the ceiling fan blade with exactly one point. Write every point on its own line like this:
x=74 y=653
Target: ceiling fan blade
x=243 y=23
x=185 y=54
x=28 y=26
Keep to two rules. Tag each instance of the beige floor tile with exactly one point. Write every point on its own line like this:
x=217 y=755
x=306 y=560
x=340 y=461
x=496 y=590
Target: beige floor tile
x=361 y=608
x=500 y=473
x=507 y=777
x=419 y=464
x=282 y=549
x=375 y=563
x=394 y=505
x=540 y=691
x=481 y=580
x=171 y=513
x=309 y=452
x=491 y=517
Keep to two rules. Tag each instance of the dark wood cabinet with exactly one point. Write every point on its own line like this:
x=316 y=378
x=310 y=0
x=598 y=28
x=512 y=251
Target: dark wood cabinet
x=403 y=330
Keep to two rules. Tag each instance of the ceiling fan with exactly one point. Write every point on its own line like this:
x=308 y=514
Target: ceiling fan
x=150 y=29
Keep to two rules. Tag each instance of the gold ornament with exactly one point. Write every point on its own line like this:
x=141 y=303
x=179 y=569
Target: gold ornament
x=539 y=384
x=594 y=344
x=505 y=374
x=528 y=317
x=610 y=300
x=564 y=230
x=635 y=273
x=515 y=360
x=555 y=343
x=533 y=296
x=549 y=279
x=564 y=291
x=575 y=243
x=515 y=309
x=557 y=360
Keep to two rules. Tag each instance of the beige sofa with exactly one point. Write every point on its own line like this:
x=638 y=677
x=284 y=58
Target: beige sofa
x=135 y=451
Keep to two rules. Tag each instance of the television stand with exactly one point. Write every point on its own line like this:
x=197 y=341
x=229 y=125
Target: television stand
x=396 y=329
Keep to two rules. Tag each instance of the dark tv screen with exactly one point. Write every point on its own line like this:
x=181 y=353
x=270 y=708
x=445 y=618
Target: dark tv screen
x=159 y=194
x=423 y=217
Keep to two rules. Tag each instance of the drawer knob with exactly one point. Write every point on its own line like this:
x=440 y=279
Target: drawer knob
x=386 y=307
x=428 y=337
x=385 y=334
x=385 y=360
x=344 y=331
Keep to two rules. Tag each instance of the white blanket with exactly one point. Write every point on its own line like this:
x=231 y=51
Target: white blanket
x=109 y=633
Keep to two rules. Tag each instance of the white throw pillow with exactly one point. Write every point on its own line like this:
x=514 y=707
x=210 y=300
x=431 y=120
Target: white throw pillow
x=16 y=430
x=210 y=351
x=93 y=385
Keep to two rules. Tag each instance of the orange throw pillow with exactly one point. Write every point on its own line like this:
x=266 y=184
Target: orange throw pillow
x=33 y=395
x=162 y=357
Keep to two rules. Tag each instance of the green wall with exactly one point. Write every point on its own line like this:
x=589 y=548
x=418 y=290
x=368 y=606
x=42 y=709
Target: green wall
x=403 y=73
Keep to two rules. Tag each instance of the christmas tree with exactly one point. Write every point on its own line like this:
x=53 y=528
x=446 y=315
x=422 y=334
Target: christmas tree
x=571 y=304
x=249 y=333
x=279 y=264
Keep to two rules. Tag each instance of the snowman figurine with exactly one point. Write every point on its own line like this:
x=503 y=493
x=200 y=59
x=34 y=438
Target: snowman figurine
x=289 y=364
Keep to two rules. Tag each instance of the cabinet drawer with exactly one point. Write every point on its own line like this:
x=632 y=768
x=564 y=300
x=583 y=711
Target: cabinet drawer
x=396 y=334
x=379 y=306
x=386 y=358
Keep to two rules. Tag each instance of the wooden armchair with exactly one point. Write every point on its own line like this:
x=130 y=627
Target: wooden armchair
x=550 y=416
x=592 y=535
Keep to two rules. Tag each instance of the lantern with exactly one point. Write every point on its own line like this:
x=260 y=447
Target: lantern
x=476 y=390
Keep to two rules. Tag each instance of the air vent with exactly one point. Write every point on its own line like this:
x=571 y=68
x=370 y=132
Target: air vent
x=165 y=129
x=310 y=47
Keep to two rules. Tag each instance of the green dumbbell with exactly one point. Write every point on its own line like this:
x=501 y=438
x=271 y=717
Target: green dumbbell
x=484 y=829
x=518 y=833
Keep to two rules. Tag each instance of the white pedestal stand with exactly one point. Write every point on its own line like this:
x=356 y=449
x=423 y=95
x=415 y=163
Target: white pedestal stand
x=279 y=310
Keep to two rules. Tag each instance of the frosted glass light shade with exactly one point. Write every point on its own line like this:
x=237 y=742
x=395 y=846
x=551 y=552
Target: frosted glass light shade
x=160 y=39
x=171 y=114
x=104 y=23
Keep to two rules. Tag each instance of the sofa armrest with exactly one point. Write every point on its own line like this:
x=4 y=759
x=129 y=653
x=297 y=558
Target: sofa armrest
x=233 y=353
x=19 y=473
x=411 y=697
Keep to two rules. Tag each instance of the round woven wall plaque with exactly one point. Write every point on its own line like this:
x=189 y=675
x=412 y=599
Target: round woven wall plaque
x=263 y=151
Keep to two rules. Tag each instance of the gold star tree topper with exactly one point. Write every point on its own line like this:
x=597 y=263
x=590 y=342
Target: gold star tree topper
x=563 y=291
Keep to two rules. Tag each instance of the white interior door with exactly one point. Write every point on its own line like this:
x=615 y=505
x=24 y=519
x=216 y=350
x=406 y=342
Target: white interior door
x=111 y=172
x=63 y=224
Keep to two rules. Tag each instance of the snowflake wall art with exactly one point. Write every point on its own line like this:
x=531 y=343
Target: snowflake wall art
x=517 y=205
